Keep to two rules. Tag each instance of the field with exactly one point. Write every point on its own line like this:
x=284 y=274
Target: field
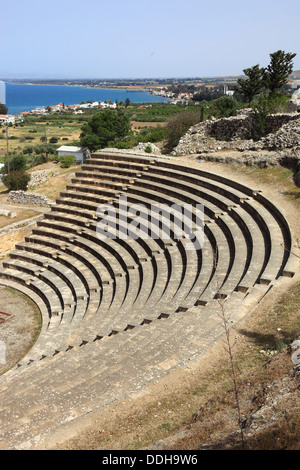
x=29 y=136
x=32 y=134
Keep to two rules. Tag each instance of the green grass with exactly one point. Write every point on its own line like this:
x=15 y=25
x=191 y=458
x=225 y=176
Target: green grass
x=157 y=112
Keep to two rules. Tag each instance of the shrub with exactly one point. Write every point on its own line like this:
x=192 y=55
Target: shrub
x=53 y=140
x=28 y=149
x=177 y=126
x=155 y=134
x=148 y=149
x=16 y=181
x=38 y=149
x=16 y=163
x=123 y=145
x=226 y=106
x=67 y=160
x=34 y=160
x=265 y=105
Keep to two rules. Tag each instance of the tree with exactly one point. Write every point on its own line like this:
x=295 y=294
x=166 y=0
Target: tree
x=278 y=71
x=108 y=126
x=3 y=108
x=16 y=163
x=225 y=106
x=253 y=84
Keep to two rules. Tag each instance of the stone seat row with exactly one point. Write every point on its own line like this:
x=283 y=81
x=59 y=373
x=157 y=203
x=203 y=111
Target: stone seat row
x=120 y=283
x=122 y=312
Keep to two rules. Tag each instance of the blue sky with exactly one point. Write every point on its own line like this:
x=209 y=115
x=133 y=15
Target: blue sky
x=138 y=38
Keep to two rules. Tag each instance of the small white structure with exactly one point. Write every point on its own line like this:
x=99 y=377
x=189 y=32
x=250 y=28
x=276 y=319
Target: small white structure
x=79 y=152
x=228 y=92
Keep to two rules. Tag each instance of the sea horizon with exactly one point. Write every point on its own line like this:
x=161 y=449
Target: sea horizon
x=27 y=97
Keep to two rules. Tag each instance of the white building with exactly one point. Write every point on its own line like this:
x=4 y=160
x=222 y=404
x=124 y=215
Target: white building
x=79 y=152
x=7 y=119
x=228 y=92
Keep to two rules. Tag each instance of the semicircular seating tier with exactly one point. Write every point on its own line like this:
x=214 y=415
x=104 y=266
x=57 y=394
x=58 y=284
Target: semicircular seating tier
x=123 y=309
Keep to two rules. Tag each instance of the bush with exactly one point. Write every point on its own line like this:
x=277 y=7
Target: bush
x=262 y=108
x=28 y=149
x=123 y=145
x=34 y=160
x=226 y=106
x=16 y=181
x=16 y=163
x=67 y=160
x=53 y=140
x=177 y=126
x=38 y=149
x=155 y=134
x=148 y=149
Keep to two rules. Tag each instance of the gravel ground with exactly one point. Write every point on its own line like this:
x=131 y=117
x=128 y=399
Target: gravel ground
x=18 y=331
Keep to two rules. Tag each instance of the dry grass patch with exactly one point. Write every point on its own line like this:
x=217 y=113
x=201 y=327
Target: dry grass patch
x=22 y=214
x=58 y=180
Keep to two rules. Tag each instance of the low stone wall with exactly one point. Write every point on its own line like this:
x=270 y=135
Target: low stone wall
x=37 y=178
x=28 y=198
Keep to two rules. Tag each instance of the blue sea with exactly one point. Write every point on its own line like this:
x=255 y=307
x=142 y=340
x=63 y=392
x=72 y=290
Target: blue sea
x=21 y=97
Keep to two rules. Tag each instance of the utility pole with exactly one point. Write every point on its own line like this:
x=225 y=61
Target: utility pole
x=46 y=145
x=8 y=169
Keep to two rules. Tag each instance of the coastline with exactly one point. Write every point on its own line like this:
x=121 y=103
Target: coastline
x=37 y=94
x=130 y=88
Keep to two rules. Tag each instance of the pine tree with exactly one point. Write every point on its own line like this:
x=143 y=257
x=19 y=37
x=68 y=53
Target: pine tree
x=253 y=84
x=278 y=71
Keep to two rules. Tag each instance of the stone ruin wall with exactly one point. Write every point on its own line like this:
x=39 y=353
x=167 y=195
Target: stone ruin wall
x=235 y=133
x=242 y=127
x=37 y=178
x=27 y=198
